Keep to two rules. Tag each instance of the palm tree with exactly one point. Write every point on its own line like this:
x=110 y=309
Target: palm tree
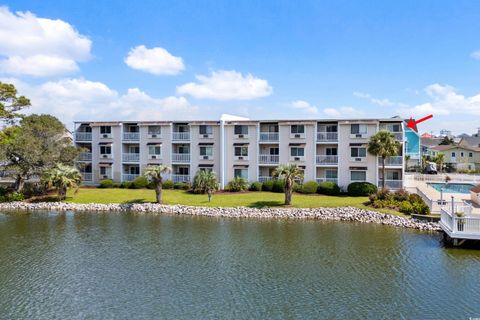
x=61 y=178
x=289 y=173
x=154 y=174
x=205 y=182
x=383 y=144
x=439 y=160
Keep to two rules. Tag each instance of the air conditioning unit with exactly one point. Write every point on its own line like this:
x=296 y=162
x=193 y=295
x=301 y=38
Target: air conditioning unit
x=240 y=158
x=106 y=135
x=105 y=155
x=297 y=135
x=358 y=135
x=296 y=158
x=205 y=135
x=240 y=135
x=358 y=159
x=153 y=157
x=105 y=177
x=206 y=157
x=153 y=135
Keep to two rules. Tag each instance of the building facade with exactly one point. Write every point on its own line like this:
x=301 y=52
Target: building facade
x=327 y=150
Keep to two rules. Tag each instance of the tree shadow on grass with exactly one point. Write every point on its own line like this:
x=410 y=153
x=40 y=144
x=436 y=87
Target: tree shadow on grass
x=265 y=204
x=132 y=201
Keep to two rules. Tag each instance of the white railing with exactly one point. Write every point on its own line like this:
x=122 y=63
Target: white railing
x=436 y=205
x=129 y=176
x=131 y=136
x=85 y=156
x=182 y=136
x=264 y=178
x=324 y=159
x=391 y=184
x=83 y=136
x=105 y=176
x=319 y=180
x=391 y=161
x=181 y=157
x=455 y=177
x=87 y=176
x=268 y=136
x=180 y=178
x=323 y=136
x=131 y=157
x=460 y=221
x=398 y=135
x=268 y=158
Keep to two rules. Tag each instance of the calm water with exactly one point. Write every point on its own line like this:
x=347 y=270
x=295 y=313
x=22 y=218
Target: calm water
x=452 y=187
x=96 y=266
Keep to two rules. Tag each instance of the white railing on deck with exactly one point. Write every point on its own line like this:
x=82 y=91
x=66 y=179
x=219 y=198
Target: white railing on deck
x=264 y=178
x=320 y=180
x=455 y=177
x=87 y=176
x=461 y=220
x=131 y=136
x=391 y=184
x=129 y=176
x=181 y=157
x=85 y=156
x=268 y=136
x=324 y=159
x=83 y=136
x=392 y=161
x=131 y=157
x=327 y=136
x=180 y=178
x=182 y=136
x=268 y=158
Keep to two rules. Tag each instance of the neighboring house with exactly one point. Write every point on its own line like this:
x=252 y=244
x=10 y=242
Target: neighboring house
x=460 y=156
x=428 y=146
x=326 y=150
x=412 y=147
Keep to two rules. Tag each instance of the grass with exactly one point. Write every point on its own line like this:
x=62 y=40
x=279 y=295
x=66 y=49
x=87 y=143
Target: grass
x=222 y=199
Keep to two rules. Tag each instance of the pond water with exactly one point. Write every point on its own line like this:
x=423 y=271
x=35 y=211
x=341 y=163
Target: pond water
x=125 y=266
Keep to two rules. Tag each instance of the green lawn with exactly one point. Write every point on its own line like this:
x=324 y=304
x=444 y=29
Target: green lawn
x=246 y=199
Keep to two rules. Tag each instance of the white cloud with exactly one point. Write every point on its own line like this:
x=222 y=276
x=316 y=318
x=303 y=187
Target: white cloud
x=342 y=112
x=156 y=61
x=475 y=55
x=226 y=85
x=80 y=99
x=304 y=106
x=377 y=101
x=38 y=46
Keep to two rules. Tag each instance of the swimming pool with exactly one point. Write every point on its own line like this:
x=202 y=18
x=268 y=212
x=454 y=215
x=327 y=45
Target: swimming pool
x=452 y=187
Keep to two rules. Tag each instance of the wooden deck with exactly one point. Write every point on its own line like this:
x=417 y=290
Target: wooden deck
x=459 y=223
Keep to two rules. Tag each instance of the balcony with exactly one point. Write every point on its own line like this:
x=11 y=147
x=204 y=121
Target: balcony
x=327 y=136
x=268 y=136
x=131 y=157
x=391 y=184
x=181 y=136
x=105 y=176
x=83 y=136
x=87 y=176
x=269 y=159
x=131 y=136
x=398 y=135
x=327 y=160
x=180 y=178
x=181 y=157
x=323 y=179
x=264 y=178
x=129 y=176
x=85 y=156
x=392 y=161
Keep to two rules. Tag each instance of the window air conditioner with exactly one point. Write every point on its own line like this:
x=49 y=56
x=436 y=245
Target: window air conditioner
x=240 y=135
x=154 y=135
x=105 y=177
x=358 y=135
x=297 y=136
x=358 y=159
x=105 y=155
x=205 y=135
x=153 y=156
x=240 y=158
x=206 y=157
x=105 y=135
x=297 y=158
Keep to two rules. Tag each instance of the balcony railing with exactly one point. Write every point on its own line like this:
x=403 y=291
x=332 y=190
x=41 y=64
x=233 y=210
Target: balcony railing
x=391 y=184
x=319 y=180
x=131 y=136
x=105 y=176
x=327 y=136
x=268 y=136
x=264 y=178
x=129 y=176
x=85 y=156
x=392 y=161
x=83 y=136
x=87 y=176
x=180 y=178
x=268 y=159
x=181 y=157
x=131 y=157
x=181 y=136
x=327 y=160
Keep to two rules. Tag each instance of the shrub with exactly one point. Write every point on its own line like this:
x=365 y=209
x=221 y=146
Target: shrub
x=415 y=198
x=267 y=185
x=361 y=189
x=237 y=184
x=310 y=187
x=329 y=188
x=256 y=186
x=107 y=183
x=384 y=194
x=125 y=184
x=13 y=196
x=140 y=183
x=406 y=207
x=378 y=204
x=181 y=186
x=421 y=208
x=167 y=184
x=116 y=185
x=297 y=187
x=401 y=195
x=278 y=186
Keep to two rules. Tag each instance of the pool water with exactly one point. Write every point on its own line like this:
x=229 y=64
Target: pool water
x=452 y=187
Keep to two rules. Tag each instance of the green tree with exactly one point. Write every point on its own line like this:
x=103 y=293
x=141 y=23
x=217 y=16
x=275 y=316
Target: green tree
x=205 y=182
x=154 y=174
x=446 y=141
x=440 y=160
x=36 y=144
x=383 y=144
x=61 y=178
x=289 y=173
x=11 y=103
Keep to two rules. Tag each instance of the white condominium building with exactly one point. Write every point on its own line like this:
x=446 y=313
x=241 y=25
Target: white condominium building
x=327 y=150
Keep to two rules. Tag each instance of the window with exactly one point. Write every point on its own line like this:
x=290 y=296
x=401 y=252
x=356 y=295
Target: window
x=206 y=129
x=331 y=174
x=358 y=129
x=133 y=149
x=358 y=152
x=274 y=151
x=358 y=175
x=297 y=152
x=453 y=155
x=183 y=149
x=470 y=154
x=105 y=149
x=133 y=170
x=241 y=151
x=155 y=130
x=242 y=173
x=105 y=129
x=205 y=169
x=392 y=175
x=155 y=150
x=206 y=151
x=461 y=154
x=297 y=128
x=241 y=129
x=183 y=171
x=331 y=151
x=132 y=129
x=104 y=171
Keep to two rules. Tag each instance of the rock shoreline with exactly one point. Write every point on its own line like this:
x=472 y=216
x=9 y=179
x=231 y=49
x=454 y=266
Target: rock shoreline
x=339 y=214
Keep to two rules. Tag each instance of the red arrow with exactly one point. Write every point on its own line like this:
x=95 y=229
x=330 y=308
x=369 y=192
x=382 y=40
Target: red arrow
x=412 y=124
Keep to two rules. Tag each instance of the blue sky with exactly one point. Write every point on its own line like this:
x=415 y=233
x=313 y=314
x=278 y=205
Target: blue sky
x=282 y=59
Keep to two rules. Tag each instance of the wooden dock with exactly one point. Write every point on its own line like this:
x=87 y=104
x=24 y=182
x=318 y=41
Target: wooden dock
x=459 y=223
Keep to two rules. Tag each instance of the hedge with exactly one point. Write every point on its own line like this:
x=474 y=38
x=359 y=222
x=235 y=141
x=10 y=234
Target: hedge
x=328 y=188
x=357 y=189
